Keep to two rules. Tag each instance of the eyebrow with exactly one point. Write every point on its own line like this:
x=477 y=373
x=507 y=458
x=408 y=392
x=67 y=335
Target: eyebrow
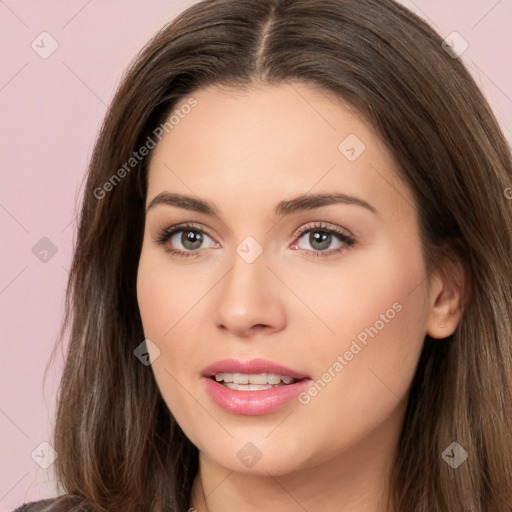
x=283 y=208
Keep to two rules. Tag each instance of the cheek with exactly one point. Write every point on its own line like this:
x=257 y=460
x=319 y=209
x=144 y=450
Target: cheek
x=152 y=297
x=378 y=311
x=361 y=383
x=166 y=295
x=166 y=292
x=375 y=293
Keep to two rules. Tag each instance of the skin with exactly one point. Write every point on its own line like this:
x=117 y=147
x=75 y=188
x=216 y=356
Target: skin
x=245 y=151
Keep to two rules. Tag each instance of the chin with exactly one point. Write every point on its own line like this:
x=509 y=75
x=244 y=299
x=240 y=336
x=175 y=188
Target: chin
x=256 y=454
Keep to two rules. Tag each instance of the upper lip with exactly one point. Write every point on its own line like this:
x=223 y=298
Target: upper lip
x=253 y=366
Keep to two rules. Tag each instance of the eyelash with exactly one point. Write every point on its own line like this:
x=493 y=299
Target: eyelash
x=167 y=233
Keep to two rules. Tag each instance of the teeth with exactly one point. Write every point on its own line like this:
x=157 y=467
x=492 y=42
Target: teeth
x=226 y=377
x=248 y=387
x=256 y=380
x=240 y=378
x=272 y=378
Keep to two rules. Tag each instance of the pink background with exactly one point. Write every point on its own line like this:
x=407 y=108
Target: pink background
x=52 y=110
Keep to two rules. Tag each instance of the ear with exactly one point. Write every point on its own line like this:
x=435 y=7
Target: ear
x=446 y=298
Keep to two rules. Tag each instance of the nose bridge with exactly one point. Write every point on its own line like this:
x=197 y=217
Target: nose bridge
x=247 y=282
x=249 y=294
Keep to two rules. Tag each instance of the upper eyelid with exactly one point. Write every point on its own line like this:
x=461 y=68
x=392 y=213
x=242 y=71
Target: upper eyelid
x=328 y=226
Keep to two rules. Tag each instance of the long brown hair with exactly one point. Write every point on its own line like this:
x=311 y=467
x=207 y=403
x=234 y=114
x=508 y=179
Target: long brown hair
x=119 y=447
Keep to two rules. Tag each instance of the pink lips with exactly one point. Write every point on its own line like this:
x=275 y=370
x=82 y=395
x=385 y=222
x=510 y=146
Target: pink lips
x=252 y=403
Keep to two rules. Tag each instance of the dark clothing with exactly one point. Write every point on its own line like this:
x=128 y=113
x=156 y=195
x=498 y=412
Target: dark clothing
x=35 y=506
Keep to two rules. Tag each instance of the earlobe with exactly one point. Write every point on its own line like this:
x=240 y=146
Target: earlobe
x=445 y=302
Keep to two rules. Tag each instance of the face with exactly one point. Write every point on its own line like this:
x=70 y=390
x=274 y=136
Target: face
x=327 y=295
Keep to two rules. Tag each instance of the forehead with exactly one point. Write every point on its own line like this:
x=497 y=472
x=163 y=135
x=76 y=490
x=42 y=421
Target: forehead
x=270 y=142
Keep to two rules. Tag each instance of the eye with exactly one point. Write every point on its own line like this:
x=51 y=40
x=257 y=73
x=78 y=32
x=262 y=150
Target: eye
x=189 y=236
x=191 y=239
x=321 y=238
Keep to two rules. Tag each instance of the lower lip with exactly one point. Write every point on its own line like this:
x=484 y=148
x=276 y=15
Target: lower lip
x=253 y=403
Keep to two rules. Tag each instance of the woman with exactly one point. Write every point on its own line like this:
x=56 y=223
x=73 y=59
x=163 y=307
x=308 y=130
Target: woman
x=216 y=362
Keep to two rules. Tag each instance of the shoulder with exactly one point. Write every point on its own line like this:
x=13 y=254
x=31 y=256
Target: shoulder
x=35 y=506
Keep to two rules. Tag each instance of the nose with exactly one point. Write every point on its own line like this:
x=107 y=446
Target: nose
x=249 y=299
